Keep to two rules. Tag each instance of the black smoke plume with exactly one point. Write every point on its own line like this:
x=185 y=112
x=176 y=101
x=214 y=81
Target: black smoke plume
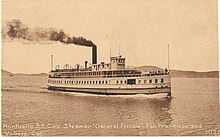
x=15 y=29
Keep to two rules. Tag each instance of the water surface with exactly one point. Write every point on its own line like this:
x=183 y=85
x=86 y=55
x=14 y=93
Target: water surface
x=28 y=108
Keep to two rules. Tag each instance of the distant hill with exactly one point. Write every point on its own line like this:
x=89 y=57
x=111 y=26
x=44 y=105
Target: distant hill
x=40 y=74
x=181 y=73
x=149 y=68
x=194 y=74
x=6 y=73
x=174 y=73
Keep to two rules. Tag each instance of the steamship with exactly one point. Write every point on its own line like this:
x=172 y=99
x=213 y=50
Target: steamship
x=109 y=78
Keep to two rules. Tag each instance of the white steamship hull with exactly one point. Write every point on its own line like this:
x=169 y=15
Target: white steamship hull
x=114 y=91
x=111 y=86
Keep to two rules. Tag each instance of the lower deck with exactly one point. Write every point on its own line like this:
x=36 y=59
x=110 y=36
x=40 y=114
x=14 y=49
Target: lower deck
x=122 y=85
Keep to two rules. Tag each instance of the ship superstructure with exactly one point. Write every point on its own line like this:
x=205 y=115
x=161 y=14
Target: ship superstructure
x=109 y=78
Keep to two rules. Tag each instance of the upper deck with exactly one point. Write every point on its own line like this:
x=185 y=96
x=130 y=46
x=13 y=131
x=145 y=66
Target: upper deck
x=71 y=73
x=116 y=68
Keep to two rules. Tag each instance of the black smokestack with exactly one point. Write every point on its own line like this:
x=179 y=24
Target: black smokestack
x=94 y=55
x=86 y=62
x=15 y=29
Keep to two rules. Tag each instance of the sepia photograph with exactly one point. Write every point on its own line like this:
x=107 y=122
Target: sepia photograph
x=109 y=68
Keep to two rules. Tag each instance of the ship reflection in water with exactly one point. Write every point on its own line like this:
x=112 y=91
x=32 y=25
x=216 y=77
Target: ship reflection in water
x=28 y=107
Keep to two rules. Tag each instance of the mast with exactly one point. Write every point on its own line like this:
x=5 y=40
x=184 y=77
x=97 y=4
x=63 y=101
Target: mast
x=110 y=46
x=110 y=55
x=52 y=62
x=119 y=50
x=168 y=59
x=110 y=50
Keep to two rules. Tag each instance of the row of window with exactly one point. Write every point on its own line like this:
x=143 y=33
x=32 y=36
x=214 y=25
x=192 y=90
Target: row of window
x=151 y=81
x=103 y=65
x=104 y=82
x=97 y=73
x=119 y=60
x=78 y=82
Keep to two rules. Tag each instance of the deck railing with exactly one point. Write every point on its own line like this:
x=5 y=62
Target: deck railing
x=107 y=76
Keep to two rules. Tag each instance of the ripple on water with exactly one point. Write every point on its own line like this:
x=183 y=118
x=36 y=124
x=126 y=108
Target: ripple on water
x=191 y=104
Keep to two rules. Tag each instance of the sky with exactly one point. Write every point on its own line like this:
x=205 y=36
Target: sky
x=141 y=28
